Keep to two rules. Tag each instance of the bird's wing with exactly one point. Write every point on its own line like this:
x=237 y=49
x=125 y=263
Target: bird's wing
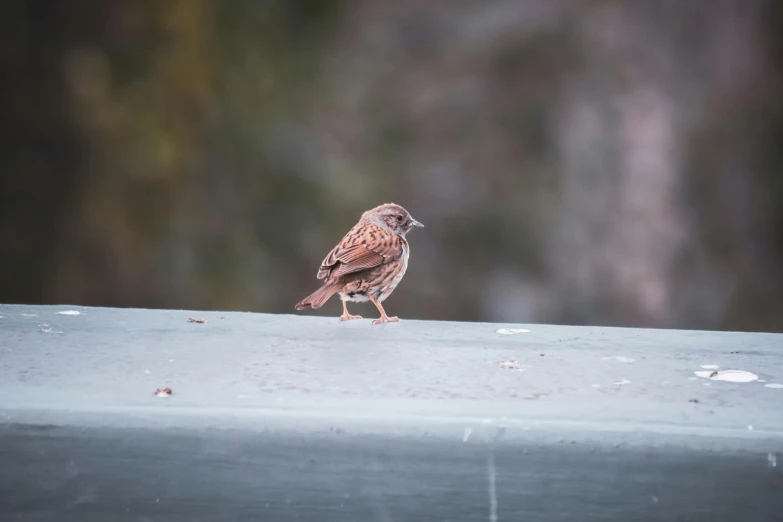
x=361 y=249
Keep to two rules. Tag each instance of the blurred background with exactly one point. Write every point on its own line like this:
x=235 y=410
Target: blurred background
x=598 y=162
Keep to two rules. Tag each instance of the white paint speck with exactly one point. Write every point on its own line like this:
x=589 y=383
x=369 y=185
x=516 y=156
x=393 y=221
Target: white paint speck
x=595 y=385
x=147 y=372
x=466 y=434
x=750 y=428
x=512 y=331
x=772 y=459
x=761 y=380
x=29 y=315
x=774 y=385
x=620 y=382
x=707 y=384
x=512 y=364
x=710 y=366
x=693 y=378
x=493 y=495
x=729 y=375
x=619 y=358
x=654 y=498
x=69 y=312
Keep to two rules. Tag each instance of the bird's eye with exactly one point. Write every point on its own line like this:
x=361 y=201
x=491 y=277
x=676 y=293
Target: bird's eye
x=399 y=218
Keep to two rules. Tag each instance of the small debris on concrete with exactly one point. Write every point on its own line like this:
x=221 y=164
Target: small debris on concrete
x=729 y=375
x=510 y=364
x=511 y=331
x=194 y=320
x=165 y=392
x=694 y=401
x=540 y=394
x=622 y=381
x=69 y=312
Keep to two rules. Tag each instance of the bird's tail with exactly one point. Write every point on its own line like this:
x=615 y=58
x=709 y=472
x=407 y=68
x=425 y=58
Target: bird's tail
x=319 y=297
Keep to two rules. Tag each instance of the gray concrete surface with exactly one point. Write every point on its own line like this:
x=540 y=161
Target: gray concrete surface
x=279 y=417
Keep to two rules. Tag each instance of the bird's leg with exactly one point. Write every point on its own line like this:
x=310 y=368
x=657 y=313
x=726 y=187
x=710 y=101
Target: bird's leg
x=383 y=318
x=346 y=315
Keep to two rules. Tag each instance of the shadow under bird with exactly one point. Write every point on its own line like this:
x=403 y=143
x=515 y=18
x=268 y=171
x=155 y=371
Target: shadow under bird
x=368 y=263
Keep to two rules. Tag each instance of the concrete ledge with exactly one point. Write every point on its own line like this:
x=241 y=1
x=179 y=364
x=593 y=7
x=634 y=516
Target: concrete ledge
x=300 y=418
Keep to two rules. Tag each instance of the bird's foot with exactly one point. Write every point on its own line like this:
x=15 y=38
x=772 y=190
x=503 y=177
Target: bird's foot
x=347 y=317
x=386 y=319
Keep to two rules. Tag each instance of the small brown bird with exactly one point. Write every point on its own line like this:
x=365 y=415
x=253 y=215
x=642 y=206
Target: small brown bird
x=369 y=262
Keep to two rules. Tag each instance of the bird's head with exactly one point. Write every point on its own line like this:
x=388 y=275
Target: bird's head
x=393 y=217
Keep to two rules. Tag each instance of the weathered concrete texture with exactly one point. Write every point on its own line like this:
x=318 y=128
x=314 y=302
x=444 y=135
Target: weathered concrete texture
x=295 y=418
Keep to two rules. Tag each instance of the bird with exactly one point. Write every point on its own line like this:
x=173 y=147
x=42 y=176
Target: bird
x=368 y=263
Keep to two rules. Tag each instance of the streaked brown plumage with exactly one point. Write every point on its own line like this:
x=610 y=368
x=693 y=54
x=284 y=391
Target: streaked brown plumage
x=369 y=262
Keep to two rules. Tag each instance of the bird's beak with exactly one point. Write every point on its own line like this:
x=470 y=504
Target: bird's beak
x=415 y=223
